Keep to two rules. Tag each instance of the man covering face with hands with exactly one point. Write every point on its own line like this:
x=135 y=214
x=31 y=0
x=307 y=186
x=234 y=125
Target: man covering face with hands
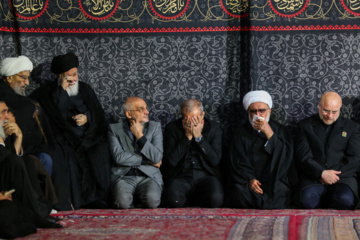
x=192 y=156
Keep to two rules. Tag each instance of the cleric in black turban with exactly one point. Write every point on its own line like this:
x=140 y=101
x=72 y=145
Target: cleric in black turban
x=78 y=123
x=63 y=63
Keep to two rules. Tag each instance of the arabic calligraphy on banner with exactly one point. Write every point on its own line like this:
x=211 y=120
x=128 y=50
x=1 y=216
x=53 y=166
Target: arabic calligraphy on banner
x=169 y=9
x=98 y=9
x=352 y=6
x=29 y=9
x=288 y=8
x=236 y=8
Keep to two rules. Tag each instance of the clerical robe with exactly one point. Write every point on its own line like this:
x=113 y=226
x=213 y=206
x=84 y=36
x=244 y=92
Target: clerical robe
x=83 y=175
x=252 y=156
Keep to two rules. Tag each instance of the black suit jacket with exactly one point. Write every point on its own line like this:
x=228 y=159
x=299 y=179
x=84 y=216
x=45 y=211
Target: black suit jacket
x=341 y=152
x=177 y=147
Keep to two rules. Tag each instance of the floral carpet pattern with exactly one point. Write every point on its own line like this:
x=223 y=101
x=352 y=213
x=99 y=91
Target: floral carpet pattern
x=202 y=223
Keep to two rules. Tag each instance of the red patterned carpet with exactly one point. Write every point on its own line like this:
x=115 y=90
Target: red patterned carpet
x=199 y=223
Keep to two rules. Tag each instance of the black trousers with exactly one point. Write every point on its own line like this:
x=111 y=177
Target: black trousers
x=194 y=188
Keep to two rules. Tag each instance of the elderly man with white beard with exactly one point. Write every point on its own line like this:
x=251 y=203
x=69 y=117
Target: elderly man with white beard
x=15 y=72
x=261 y=159
x=77 y=121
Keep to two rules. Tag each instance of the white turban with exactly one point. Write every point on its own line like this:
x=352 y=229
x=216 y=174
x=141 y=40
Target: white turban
x=257 y=96
x=12 y=66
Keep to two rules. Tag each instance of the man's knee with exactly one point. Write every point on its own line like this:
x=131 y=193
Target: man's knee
x=175 y=198
x=215 y=200
x=123 y=201
x=152 y=200
x=342 y=200
x=310 y=198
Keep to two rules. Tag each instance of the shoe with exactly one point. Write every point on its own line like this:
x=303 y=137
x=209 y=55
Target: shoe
x=53 y=219
x=44 y=223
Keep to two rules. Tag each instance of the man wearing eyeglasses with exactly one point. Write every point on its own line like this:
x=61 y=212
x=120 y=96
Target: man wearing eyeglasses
x=191 y=160
x=15 y=72
x=77 y=121
x=136 y=145
x=261 y=159
x=327 y=157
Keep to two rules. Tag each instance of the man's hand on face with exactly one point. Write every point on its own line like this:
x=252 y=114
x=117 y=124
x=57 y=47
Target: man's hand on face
x=197 y=124
x=12 y=128
x=186 y=122
x=263 y=126
x=66 y=80
x=136 y=128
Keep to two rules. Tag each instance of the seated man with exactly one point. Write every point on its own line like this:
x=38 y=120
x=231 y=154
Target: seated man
x=43 y=157
x=192 y=156
x=14 y=175
x=43 y=175
x=261 y=158
x=11 y=223
x=327 y=156
x=16 y=73
x=77 y=121
x=136 y=145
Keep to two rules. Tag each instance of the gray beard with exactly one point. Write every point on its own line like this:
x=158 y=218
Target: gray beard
x=73 y=90
x=20 y=92
x=2 y=131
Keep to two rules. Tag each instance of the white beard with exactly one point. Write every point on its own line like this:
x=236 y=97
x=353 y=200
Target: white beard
x=73 y=90
x=2 y=131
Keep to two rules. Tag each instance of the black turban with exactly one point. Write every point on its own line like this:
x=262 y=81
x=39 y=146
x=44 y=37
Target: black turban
x=64 y=63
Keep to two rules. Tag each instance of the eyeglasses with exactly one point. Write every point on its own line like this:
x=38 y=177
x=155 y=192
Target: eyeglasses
x=23 y=77
x=141 y=109
x=329 y=111
x=261 y=111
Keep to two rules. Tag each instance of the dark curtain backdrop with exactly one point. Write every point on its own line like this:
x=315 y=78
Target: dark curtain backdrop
x=168 y=51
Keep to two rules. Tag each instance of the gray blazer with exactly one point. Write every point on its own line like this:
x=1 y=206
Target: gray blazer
x=123 y=152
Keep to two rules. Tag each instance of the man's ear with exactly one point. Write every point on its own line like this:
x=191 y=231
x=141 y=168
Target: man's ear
x=203 y=114
x=8 y=79
x=128 y=115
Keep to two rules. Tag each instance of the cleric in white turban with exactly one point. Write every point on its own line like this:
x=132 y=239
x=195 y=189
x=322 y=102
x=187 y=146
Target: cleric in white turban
x=257 y=96
x=261 y=154
x=16 y=72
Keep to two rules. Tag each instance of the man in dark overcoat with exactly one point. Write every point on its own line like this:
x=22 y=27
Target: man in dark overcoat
x=192 y=154
x=327 y=157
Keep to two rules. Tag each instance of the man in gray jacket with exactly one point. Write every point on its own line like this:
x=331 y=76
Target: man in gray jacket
x=136 y=145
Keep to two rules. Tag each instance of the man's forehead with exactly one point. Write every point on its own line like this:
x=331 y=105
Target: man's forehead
x=258 y=104
x=195 y=112
x=26 y=73
x=334 y=106
x=139 y=103
x=71 y=71
x=3 y=106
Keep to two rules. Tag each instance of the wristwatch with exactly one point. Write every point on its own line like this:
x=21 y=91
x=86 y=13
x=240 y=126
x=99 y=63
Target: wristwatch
x=198 y=139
